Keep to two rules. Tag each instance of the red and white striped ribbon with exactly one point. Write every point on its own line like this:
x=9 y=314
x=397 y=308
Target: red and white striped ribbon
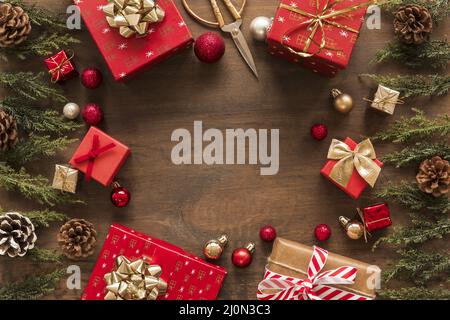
x=314 y=287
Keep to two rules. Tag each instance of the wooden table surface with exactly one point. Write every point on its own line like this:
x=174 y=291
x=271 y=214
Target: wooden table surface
x=187 y=205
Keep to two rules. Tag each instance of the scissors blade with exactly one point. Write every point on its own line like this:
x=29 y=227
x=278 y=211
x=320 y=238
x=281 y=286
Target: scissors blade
x=242 y=46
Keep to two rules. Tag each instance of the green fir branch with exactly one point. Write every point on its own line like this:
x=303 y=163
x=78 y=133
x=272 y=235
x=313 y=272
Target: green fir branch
x=40 y=16
x=418 y=127
x=439 y=9
x=414 y=85
x=33 y=287
x=413 y=155
x=414 y=293
x=44 y=256
x=30 y=85
x=43 y=218
x=434 y=53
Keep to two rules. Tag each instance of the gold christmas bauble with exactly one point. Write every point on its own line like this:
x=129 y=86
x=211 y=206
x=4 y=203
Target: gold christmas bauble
x=354 y=229
x=213 y=249
x=343 y=102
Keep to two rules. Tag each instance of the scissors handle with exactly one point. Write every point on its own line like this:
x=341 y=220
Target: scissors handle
x=217 y=13
x=234 y=12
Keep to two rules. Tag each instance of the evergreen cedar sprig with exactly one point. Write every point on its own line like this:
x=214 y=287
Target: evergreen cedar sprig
x=40 y=16
x=439 y=9
x=33 y=287
x=434 y=53
x=30 y=85
x=408 y=195
x=416 y=127
x=414 y=293
x=44 y=255
x=43 y=218
x=32 y=187
x=44 y=45
x=414 y=85
x=418 y=266
x=413 y=155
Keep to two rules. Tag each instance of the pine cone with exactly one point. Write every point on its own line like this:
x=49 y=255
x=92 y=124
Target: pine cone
x=9 y=135
x=15 y=25
x=77 y=239
x=412 y=24
x=434 y=176
x=16 y=234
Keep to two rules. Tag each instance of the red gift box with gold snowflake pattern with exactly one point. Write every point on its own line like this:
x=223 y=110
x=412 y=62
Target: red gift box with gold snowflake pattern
x=126 y=56
x=188 y=277
x=317 y=34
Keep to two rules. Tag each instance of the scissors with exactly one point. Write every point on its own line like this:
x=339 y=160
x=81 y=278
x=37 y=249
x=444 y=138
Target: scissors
x=233 y=28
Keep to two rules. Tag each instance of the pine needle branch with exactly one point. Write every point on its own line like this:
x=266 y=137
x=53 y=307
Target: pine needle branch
x=32 y=187
x=33 y=287
x=418 y=126
x=439 y=9
x=417 y=153
x=44 y=256
x=434 y=53
x=414 y=85
x=30 y=86
x=43 y=218
x=414 y=293
x=40 y=16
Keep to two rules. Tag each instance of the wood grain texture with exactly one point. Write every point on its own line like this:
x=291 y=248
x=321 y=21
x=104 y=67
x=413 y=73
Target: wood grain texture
x=187 y=205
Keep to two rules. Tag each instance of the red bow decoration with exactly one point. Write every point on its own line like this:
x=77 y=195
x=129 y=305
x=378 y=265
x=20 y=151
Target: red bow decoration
x=95 y=151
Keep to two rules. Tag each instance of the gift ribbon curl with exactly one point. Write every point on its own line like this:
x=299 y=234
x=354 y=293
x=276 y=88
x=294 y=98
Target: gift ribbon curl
x=134 y=280
x=316 y=22
x=361 y=158
x=133 y=16
x=275 y=286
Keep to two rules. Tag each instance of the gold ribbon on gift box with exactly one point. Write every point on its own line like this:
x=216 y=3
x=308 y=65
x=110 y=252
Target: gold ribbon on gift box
x=133 y=16
x=317 y=22
x=361 y=158
x=134 y=280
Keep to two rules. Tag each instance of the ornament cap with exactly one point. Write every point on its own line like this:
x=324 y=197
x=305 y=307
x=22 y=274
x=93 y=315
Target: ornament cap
x=336 y=92
x=251 y=247
x=344 y=221
x=223 y=239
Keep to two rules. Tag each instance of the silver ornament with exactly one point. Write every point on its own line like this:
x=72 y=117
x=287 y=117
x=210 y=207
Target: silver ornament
x=259 y=28
x=71 y=111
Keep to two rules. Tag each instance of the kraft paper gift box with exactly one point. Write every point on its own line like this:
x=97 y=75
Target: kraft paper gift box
x=386 y=99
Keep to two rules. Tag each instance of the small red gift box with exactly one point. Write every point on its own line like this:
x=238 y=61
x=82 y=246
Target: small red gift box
x=127 y=56
x=99 y=156
x=61 y=67
x=377 y=217
x=297 y=35
x=356 y=184
x=188 y=277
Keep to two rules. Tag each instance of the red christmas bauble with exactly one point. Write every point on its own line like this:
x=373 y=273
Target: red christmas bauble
x=241 y=257
x=92 y=114
x=209 y=47
x=319 y=131
x=120 y=197
x=267 y=233
x=322 y=232
x=91 y=78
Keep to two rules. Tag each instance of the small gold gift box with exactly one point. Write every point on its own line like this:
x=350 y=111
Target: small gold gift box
x=65 y=178
x=386 y=99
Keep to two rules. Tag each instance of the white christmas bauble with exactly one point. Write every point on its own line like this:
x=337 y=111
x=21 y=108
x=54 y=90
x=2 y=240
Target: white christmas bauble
x=71 y=110
x=259 y=28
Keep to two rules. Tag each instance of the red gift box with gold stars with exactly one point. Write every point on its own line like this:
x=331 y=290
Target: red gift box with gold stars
x=317 y=34
x=126 y=56
x=187 y=276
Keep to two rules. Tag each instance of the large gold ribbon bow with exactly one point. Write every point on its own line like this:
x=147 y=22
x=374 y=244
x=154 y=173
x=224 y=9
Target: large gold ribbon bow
x=134 y=280
x=361 y=159
x=317 y=21
x=133 y=16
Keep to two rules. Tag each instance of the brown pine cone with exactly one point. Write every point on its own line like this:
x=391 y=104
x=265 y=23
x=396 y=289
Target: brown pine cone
x=9 y=135
x=77 y=239
x=17 y=235
x=413 y=24
x=15 y=25
x=434 y=176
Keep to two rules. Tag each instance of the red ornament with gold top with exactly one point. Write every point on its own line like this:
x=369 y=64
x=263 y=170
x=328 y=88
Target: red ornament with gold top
x=186 y=276
x=131 y=42
x=317 y=34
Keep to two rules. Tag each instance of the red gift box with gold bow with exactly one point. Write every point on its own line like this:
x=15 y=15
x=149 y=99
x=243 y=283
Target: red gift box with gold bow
x=185 y=276
x=61 y=67
x=99 y=156
x=317 y=34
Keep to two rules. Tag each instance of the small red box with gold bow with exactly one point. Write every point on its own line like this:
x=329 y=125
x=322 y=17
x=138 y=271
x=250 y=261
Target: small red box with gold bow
x=99 y=156
x=317 y=34
x=186 y=276
x=352 y=166
x=377 y=217
x=61 y=67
